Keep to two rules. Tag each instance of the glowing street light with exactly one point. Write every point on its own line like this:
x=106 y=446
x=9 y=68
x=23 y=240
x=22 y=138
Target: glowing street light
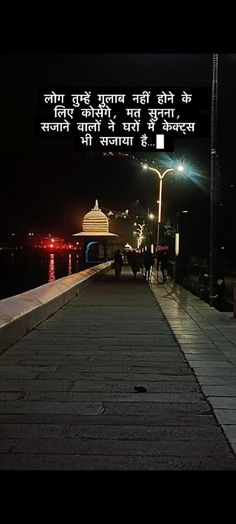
x=161 y=174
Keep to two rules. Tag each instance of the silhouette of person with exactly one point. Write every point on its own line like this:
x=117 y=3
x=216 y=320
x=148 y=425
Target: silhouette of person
x=148 y=261
x=134 y=262
x=164 y=260
x=118 y=263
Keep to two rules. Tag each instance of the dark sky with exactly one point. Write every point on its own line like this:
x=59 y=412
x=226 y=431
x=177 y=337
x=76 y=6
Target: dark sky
x=47 y=186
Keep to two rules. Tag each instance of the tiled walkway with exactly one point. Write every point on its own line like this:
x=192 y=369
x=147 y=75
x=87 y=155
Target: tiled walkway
x=70 y=390
x=208 y=341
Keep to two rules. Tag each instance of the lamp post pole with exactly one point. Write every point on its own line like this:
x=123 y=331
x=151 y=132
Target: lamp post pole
x=159 y=211
x=161 y=175
x=148 y=239
x=212 y=251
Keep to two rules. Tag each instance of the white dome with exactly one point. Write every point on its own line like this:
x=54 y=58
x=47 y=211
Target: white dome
x=95 y=221
x=95 y=224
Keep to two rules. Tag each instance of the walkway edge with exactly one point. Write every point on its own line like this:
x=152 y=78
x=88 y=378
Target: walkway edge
x=21 y=313
x=209 y=347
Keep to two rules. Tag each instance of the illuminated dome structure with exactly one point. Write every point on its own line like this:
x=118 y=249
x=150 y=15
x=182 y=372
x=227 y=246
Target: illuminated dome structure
x=96 y=234
x=95 y=223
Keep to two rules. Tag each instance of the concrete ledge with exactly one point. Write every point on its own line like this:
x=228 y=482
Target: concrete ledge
x=21 y=313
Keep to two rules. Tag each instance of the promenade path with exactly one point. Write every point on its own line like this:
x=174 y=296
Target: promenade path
x=112 y=382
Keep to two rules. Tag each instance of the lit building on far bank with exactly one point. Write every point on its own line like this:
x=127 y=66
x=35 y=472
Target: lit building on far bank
x=96 y=237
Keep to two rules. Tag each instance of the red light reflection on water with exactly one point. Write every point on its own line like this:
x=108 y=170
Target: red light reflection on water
x=56 y=243
x=69 y=265
x=51 y=269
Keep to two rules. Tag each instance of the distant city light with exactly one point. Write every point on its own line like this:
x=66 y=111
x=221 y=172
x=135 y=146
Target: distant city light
x=55 y=243
x=45 y=242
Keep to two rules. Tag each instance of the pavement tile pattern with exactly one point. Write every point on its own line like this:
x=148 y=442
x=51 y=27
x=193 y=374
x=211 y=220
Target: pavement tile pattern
x=126 y=376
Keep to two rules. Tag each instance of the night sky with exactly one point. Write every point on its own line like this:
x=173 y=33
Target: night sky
x=48 y=187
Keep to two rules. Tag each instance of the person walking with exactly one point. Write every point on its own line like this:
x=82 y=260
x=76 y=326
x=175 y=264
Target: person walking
x=118 y=263
x=148 y=261
x=134 y=262
x=164 y=260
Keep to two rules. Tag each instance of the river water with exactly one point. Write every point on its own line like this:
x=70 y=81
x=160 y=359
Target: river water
x=21 y=271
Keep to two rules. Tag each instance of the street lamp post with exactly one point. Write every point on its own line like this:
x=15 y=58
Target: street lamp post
x=214 y=114
x=161 y=174
x=150 y=216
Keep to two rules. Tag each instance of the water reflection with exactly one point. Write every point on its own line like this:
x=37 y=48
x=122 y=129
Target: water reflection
x=21 y=271
x=69 y=265
x=51 y=268
x=77 y=264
